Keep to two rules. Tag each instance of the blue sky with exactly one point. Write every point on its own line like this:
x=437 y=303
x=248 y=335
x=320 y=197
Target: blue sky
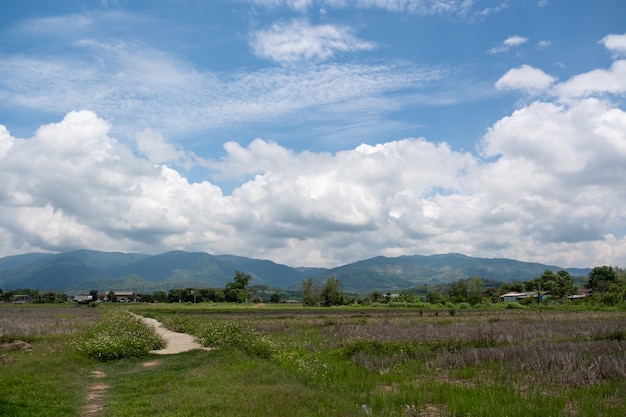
x=315 y=132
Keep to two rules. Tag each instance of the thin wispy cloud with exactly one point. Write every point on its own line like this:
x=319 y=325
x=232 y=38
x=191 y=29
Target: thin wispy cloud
x=418 y=7
x=509 y=43
x=299 y=41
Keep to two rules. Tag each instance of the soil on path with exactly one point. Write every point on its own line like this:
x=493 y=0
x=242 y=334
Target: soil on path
x=175 y=342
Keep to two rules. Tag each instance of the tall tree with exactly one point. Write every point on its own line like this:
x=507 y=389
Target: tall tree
x=458 y=292
x=331 y=293
x=240 y=281
x=310 y=292
x=563 y=285
x=237 y=290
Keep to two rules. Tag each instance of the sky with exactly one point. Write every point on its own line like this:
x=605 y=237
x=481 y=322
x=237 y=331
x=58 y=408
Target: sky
x=315 y=132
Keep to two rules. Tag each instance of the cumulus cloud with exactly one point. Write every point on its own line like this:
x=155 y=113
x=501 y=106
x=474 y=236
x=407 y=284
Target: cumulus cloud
x=615 y=44
x=545 y=191
x=154 y=146
x=598 y=81
x=526 y=78
x=509 y=43
x=298 y=40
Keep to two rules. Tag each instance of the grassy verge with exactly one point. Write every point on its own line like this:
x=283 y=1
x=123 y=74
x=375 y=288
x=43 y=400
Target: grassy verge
x=50 y=380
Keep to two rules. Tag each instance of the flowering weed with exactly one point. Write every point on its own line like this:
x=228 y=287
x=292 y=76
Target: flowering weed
x=118 y=335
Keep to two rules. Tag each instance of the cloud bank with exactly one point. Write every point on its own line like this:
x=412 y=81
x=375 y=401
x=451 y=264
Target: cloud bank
x=541 y=189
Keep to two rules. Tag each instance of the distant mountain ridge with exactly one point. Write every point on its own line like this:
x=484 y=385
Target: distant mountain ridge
x=87 y=269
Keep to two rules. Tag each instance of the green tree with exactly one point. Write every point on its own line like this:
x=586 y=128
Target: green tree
x=310 y=292
x=236 y=291
x=601 y=278
x=160 y=296
x=475 y=286
x=236 y=295
x=275 y=298
x=240 y=281
x=331 y=292
x=458 y=292
x=563 y=285
x=217 y=295
x=376 y=296
x=511 y=286
x=559 y=285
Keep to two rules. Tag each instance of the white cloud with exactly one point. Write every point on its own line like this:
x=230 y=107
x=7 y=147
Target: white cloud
x=140 y=87
x=615 y=44
x=298 y=40
x=420 y=7
x=509 y=43
x=546 y=193
x=598 y=81
x=292 y=4
x=526 y=78
x=544 y=44
x=154 y=146
x=423 y=7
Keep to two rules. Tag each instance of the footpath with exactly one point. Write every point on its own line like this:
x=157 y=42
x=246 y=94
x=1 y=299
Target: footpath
x=175 y=342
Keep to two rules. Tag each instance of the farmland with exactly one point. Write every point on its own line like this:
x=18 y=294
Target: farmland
x=348 y=361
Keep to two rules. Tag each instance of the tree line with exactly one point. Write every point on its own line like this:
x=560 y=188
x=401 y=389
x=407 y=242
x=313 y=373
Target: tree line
x=605 y=284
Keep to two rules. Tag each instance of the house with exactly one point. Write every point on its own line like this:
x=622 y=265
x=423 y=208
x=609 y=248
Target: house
x=83 y=299
x=582 y=293
x=125 y=296
x=22 y=299
x=119 y=296
x=516 y=297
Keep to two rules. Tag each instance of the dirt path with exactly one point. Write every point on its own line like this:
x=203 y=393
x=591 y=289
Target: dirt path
x=96 y=396
x=176 y=342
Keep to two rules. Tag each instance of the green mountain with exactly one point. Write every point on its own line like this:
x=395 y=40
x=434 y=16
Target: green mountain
x=16 y=261
x=392 y=274
x=86 y=270
x=270 y=273
x=57 y=272
x=111 y=263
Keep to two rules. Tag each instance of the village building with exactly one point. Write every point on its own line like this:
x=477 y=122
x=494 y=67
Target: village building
x=516 y=297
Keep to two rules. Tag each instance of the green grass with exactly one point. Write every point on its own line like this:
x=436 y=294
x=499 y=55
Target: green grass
x=215 y=383
x=45 y=382
x=286 y=361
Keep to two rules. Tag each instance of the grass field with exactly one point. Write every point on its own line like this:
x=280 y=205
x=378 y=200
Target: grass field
x=349 y=361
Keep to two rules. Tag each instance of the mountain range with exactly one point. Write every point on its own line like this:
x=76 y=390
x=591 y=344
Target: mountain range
x=84 y=270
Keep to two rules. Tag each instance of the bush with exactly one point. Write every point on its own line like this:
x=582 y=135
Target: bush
x=514 y=306
x=118 y=335
x=232 y=335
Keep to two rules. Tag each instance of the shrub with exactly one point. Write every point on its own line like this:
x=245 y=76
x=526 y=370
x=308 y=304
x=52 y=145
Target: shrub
x=233 y=335
x=118 y=335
